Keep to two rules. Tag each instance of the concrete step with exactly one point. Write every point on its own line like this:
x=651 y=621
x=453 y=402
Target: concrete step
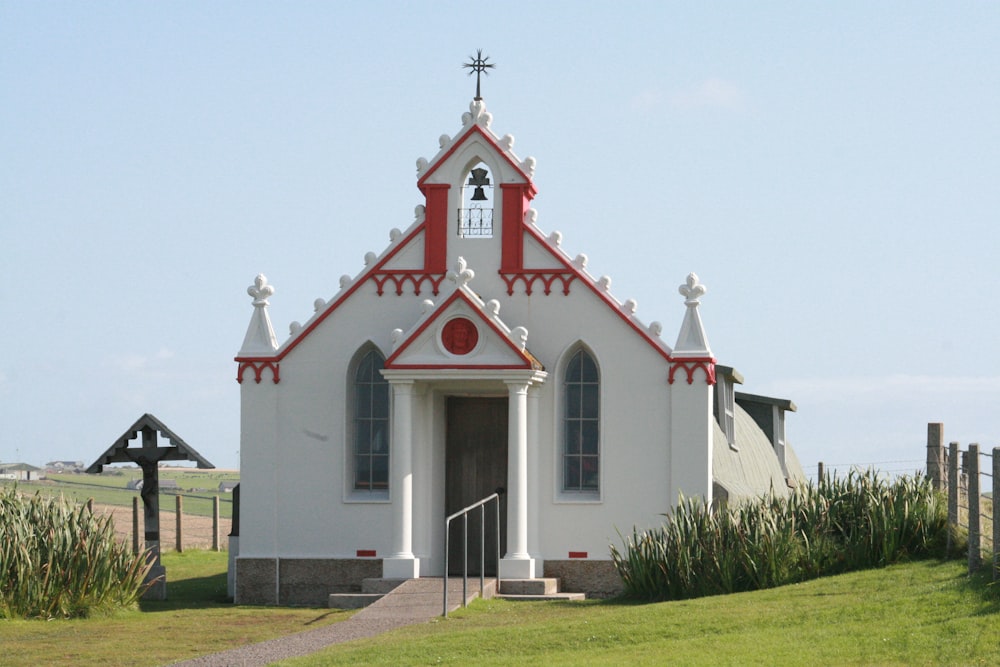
x=542 y=598
x=542 y=586
x=352 y=600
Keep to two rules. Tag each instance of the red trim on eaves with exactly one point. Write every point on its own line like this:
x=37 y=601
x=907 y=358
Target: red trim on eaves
x=281 y=352
x=584 y=279
x=706 y=364
x=438 y=311
x=458 y=141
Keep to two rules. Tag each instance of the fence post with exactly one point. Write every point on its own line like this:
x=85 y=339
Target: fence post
x=975 y=535
x=180 y=513
x=135 y=524
x=215 y=523
x=996 y=513
x=819 y=474
x=935 y=455
x=90 y=505
x=952 y=491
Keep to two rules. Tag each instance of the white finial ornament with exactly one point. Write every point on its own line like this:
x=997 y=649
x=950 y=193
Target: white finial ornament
x=462 y=274
x=692 y=290
x=259 y=339
x=692 y=340
x=260 y=291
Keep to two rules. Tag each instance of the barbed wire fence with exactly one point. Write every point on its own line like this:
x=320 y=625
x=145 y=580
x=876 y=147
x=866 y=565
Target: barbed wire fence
x=969 y=478
x=965 y=477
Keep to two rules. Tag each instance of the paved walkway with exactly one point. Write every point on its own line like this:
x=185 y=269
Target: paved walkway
x=415 y=601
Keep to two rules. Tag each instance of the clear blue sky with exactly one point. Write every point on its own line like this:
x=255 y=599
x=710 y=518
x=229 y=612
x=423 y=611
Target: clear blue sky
x=830 y=170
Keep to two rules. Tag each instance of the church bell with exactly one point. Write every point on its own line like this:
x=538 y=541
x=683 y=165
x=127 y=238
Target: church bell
x=478 y=178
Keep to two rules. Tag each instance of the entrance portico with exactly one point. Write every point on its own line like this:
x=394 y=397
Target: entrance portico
x=417 y=436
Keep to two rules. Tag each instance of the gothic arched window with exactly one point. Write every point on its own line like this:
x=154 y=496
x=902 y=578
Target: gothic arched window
x=581 y=424
x=371 y=424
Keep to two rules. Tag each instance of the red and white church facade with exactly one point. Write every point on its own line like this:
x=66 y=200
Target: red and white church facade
x=474 y=355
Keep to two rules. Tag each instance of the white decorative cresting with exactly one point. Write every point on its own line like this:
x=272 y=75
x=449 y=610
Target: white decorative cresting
x=477 y=114
x=520 y=336
x=444 y=140
x=419 y=213
x=426 y=306
x=260 y=339
x=531 y=216
x=604 y=282
x=462 y=274
x=507 y=143
x=493 y=307
x=630 y=306
x=370 y=258
x=529 y=166
x=345 y=281
x=294 y=327
x=655 y=328
x=692 y=340
x=580 y=261
x=555 y=238
x=318 y=304
x=395 y=235
x=397 y=338
x=422 y=165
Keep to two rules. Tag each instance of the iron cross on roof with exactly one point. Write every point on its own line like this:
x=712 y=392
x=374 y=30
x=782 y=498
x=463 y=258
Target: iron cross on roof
x=479 y=65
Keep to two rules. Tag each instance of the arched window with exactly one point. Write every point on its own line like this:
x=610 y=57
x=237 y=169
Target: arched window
x=581 y=424
x=475 y=216
x=371 y=424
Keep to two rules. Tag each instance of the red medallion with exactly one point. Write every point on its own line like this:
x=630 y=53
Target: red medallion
x=459 y=336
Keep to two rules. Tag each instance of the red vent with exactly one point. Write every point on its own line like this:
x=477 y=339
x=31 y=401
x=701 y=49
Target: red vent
x=577 y=554
x=366 y=553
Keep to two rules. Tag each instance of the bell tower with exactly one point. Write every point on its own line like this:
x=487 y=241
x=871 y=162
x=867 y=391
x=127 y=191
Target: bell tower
x=477 y=193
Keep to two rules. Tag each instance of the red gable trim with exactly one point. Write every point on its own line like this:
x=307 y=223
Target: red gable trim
x=690 y=365
x=458 y=295
x=330 y=307
x=461 y=140
x=585 y=280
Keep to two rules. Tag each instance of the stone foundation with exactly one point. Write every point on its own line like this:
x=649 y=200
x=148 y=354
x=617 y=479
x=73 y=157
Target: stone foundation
x=596 y=578
x=303 y=581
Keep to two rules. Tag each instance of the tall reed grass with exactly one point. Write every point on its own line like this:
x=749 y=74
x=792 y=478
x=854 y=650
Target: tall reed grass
x=840 y=524
x=59 y=561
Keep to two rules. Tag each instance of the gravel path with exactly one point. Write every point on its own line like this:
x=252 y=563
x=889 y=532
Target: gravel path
x=302 y=643
x=415 y=601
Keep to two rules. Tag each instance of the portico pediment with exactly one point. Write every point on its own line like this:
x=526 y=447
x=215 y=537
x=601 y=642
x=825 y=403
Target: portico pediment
x=461 y=331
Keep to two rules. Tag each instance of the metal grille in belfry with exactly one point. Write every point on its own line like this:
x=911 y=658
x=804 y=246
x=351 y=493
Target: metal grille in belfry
x=475 y=222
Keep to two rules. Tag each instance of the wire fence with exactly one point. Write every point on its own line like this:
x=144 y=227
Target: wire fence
x=970 y=478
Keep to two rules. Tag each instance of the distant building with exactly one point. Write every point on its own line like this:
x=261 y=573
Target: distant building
x=65 y=466
x=22 y=472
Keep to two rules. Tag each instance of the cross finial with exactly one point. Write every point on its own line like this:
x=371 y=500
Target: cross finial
x=479 y=65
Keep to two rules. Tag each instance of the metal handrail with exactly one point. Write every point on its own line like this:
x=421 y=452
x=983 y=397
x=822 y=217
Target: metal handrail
x=464 y=513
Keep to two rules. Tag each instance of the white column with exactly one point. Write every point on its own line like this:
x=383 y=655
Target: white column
x=517 y=564
x=401 y=564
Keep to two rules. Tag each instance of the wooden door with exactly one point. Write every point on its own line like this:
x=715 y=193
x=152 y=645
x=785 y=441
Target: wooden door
x=475 y=467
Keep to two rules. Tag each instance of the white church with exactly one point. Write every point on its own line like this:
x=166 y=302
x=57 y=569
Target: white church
x=474 y=356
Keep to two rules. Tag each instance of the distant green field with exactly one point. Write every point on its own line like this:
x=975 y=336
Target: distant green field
x=198 y=488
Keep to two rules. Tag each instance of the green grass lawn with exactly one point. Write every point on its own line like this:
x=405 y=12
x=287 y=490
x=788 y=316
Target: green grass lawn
x=194 y=621
x=925 y=613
